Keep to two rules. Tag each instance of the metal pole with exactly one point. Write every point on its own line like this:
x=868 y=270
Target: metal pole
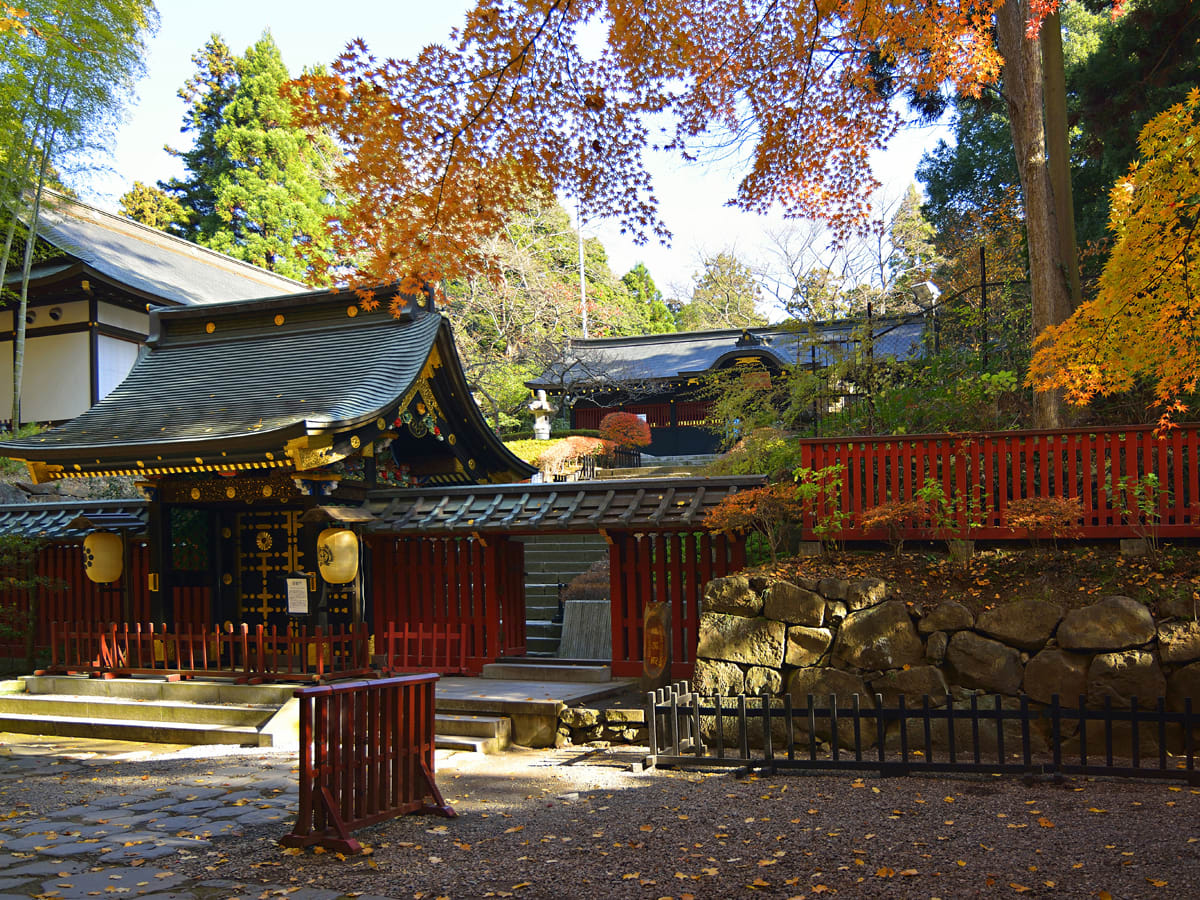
x=582 y=283
x=983 y=340
x=871 y=371
x=812 y=357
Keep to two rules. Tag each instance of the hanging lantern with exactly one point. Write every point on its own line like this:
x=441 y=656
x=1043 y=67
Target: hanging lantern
x=337 y=555
x=103 y=556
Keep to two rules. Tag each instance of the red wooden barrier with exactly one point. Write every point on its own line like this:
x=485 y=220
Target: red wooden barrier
x=366 y=755
x=249 y=654
x=981 y=474
x=664 y=568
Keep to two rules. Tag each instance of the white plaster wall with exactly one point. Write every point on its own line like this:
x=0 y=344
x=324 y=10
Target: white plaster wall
x=57 y=380
x=129 y=319
x=69 y=314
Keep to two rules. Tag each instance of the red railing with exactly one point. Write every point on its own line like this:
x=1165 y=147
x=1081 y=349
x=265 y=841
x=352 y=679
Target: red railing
x=366 y=755
x=248 y=654
x=434 y=648
x=981 y=474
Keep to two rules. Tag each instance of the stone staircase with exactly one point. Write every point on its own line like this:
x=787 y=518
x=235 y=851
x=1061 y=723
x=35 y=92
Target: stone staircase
x=153 y=710
x=550 y=561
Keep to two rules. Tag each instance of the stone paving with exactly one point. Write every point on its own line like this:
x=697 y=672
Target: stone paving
x=114 y=831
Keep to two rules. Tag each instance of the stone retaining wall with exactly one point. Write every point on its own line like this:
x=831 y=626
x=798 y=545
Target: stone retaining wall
x=832 y=636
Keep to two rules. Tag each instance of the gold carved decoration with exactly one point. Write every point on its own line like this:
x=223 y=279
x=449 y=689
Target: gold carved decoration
x=195 y=493
x=279 y=320
x=231 y=492
x=352 y=311
x=210 y=327
x=355 y=441
x=263 y=540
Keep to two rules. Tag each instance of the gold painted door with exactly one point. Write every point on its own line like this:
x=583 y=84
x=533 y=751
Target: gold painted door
x=269 y=547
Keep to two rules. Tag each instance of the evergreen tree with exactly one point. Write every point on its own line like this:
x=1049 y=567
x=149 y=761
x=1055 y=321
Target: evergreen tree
x=723 y=296
x=152 y=206
x=254 y=187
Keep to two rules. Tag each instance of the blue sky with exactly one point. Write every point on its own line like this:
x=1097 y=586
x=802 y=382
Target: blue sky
x=692 y=197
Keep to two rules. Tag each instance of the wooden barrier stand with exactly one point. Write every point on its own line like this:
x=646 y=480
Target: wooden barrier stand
x=366 y=755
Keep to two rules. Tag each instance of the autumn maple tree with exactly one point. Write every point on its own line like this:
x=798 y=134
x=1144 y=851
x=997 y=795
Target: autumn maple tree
x=625 y=430
x=1141 y=325
x=437 y=145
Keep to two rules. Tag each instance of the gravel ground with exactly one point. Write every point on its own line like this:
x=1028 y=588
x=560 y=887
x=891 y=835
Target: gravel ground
x=569 y=824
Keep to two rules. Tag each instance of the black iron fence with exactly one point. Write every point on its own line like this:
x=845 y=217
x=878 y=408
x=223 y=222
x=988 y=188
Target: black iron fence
x=981 y=735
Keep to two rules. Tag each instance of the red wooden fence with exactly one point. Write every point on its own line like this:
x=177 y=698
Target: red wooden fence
x=437 y=647
x=664 y=568
x=474 y=585
x=980 y=474
x=366 y=755
x=68 y=595
x=249 y=654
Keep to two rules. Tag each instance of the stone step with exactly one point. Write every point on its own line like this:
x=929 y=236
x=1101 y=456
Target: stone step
x=542 y=646
x=134 y=730
x=536 y=671
x=150 y=688
x=543 y=628
x=474 y=733
x=63 y=706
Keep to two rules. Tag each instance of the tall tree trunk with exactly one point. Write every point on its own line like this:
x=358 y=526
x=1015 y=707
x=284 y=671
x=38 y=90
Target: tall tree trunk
x=30 y=240
x=1058 y=151
x=1023 y=91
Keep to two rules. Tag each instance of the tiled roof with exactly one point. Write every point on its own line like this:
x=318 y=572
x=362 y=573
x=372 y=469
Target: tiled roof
x=53 y=520
x=250 y=382
x=151 y=262
x=662 y=504
x=669 y=356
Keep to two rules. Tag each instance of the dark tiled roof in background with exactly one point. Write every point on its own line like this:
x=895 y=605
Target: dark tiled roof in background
x=153 y=262
x=250 y=380
x=686 y=353
x=665 y=504
x=53 y=520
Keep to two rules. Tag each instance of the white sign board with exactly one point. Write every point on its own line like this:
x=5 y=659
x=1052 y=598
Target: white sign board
x=297 y=596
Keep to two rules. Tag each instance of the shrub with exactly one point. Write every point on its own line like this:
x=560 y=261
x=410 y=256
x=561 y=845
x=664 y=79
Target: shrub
x=770 y=511
x=625 y=430
x=568 y=454
x=1054 y=517
x=764 y=451
x=895 y=518
x=591 y=584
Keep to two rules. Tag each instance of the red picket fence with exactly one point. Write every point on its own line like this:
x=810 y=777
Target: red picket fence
x=664 y=568
x=366 y=755
x=248 y=654
x=981 y=474
x=438 y=648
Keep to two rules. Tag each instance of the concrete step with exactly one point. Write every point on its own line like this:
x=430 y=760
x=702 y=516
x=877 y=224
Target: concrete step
x=541 y=628
x=150 y=688
x=536 y=671
x=475 y=733
x=134 y=730
x=152 y=710
x=62 y=706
